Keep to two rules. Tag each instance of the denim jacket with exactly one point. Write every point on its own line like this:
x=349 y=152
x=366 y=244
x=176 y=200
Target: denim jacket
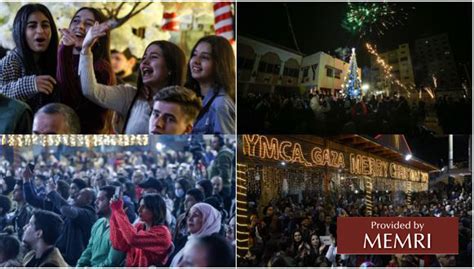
x=220 y=118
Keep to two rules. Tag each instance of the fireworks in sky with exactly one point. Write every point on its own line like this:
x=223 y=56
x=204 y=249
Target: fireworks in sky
x=374 y=18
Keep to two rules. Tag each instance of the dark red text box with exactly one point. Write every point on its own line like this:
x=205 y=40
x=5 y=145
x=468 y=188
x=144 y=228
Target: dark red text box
x=394 y=235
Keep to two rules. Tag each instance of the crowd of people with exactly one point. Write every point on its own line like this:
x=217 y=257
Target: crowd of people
x=324 y=114
x=133 y=207
x=302 y=230
x=49 y=80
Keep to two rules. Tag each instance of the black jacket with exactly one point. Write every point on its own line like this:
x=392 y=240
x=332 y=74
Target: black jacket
x=76 y=232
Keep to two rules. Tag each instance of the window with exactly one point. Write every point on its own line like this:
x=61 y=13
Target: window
x=244 y=63
x=292 y=72
x=329 y=72
x=305 y=71
x=404 y=59
x=313 y=68
x=338 y=74
x=269 y=68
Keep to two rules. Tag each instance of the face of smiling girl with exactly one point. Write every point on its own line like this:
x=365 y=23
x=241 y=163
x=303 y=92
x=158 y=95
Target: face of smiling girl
x=202 y=63
x=81 y=23
x=153 y=67
x=38 y=32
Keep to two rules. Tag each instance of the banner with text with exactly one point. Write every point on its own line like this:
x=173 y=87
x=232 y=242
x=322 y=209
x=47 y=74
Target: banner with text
x=397 y=235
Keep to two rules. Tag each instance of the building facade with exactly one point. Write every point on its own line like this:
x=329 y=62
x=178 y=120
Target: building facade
x=402 y=69
x=435 y=64
x=263 y=67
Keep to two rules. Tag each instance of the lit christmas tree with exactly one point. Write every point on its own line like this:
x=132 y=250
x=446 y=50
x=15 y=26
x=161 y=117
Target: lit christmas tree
x=351 y=85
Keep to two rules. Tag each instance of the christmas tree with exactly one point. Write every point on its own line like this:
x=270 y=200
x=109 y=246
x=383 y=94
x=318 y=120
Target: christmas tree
x=351 y=85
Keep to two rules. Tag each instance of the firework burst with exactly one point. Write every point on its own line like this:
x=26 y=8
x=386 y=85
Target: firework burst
x=374 y=18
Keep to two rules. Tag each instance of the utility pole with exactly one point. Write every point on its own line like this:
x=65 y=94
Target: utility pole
x=450 y=156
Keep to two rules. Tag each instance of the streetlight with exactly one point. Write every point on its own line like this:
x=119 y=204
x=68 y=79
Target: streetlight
x=159 y=146
x=408 y=157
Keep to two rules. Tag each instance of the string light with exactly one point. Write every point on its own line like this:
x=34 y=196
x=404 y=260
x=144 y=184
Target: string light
x=387 y=69
x=73 y=140
x=242 y=219
x=368 y=196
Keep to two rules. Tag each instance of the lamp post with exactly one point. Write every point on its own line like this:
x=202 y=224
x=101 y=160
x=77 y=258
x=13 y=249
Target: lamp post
x=365 y=88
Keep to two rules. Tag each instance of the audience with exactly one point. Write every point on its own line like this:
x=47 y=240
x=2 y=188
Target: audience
x=289 y=231
x=329 y=115
x=111 y=208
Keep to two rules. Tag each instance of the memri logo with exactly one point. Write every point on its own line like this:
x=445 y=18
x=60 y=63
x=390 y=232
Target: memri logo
x=383 y=235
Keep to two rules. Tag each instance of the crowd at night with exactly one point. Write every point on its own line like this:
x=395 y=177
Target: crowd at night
x=403 y=76
x=325 y=115
x=289 y=230
x=134 y=208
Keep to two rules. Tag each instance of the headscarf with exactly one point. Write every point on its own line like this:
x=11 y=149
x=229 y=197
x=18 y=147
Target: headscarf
x=211 y=223
x=211 y=220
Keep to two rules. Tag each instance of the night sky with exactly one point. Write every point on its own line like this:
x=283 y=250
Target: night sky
x=318 y=27
x=432 y=149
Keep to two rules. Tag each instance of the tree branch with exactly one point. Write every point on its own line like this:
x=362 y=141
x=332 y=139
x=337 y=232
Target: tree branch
x=117 y=10
x=109 y=12
x=120 y=21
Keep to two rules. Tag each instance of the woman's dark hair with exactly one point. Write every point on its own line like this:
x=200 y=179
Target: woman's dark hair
x=5 y=204
x=46 y=65
x=197 y=194
x=265 y=209
x=9 y=247
x=311 y=236
x=184 y=184
x=175 y=62
x=297 y=231
x=224 y=65
x=157 y=205
x=207 y=186
x=219 y=251
x=101 y=49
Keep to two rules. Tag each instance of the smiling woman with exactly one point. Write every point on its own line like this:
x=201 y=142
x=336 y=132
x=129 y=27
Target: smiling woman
x=162 y=65
x=94 y=119
x=27 y=73
x=211 y=74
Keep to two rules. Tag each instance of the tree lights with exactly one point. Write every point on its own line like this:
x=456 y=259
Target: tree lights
x=352 y=84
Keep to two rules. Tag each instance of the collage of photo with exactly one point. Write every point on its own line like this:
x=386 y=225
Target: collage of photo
x=235 y=134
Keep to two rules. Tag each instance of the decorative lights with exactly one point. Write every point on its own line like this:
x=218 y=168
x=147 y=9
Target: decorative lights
x=73 y=140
